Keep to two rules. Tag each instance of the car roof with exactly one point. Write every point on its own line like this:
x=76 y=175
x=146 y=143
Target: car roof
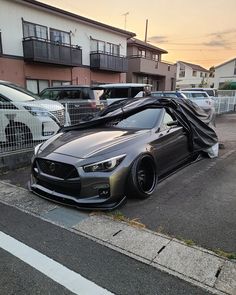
x=122 y=85
x=67 y=87
x=189 y=91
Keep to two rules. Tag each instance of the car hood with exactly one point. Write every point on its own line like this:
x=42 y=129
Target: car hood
x=89 y=143
x=47 y=104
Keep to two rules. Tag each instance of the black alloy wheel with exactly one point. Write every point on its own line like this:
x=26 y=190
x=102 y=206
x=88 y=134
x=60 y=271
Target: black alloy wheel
x=142 y=178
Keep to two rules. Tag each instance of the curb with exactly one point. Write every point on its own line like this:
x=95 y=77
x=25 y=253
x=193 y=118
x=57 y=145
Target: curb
x=193 y=264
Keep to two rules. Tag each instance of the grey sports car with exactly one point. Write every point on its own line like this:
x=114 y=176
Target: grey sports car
x=123 y=152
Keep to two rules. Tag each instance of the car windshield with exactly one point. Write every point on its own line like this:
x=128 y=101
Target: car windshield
x=145 y=119
x=121 y=92
x=14 y=94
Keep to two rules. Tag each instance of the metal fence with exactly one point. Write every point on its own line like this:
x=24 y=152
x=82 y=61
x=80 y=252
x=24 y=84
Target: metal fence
x=21 y=128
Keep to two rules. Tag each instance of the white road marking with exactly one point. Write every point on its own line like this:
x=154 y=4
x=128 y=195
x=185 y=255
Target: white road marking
x=52 y=269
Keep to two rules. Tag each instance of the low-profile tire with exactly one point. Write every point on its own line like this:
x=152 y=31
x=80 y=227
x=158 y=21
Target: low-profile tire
x=18 y=135
x=142 y=178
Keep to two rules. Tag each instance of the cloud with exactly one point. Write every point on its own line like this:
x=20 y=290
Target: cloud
x=220 y=34
x=219 y=41
x=158 y=39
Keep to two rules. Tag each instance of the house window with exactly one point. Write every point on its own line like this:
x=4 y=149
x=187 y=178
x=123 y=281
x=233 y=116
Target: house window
x=97 y=45
x=31 y=30
x=60 y=83
x=235 y=68
x=168 y=68
x=142 y=53
x=194 y=73
x=0 y=43
x=205 y=75
x=113 y=49
x=182 y=73
x=60 y=36
x=201 y=74
x=36 y=86
x=155 y=57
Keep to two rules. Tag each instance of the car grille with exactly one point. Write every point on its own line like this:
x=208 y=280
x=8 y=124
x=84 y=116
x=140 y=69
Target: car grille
x=60 y=115
x=68 y=189
x=57 y=169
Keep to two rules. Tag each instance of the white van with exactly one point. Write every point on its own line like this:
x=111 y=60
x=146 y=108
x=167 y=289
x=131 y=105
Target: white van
x=24 y=119
x=110 y=93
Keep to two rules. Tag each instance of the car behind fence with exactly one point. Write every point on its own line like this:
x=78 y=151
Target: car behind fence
x=21 y=130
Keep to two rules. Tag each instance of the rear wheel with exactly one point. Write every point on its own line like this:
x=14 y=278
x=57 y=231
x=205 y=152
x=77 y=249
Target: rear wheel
x=18 y=135
x=142 y=179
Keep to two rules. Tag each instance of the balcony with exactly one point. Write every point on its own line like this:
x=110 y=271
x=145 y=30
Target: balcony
x=107 y=62
x=38 y=50
x=139 y=64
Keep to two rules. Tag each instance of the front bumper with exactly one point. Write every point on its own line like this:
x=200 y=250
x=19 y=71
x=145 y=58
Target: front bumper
x=94 y=193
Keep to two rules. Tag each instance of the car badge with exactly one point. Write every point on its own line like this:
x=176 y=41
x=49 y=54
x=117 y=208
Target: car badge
x=52 y=167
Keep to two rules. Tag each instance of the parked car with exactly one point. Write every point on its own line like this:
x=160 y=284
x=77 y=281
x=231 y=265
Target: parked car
x=24 y=119
x=210 y=91
x=81 y=101
x=174 y=94
x=124 y=152
x=117 y=91
x=201 y=98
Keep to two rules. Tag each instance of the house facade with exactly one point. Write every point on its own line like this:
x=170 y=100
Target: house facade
x=225 y=73
x=145 y=65
x=43 y=46
x=191 y=75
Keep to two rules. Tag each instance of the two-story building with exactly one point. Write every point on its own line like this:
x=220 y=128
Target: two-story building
x=225 y=73
x=145 y=65
x=42 y=46
x=191 y=75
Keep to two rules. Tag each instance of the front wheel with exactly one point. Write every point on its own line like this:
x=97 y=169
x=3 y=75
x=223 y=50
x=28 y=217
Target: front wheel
x=19 y=135
x=142 y=179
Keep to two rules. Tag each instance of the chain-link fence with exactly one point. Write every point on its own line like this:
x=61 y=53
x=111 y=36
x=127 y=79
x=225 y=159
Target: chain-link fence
x=21 y=128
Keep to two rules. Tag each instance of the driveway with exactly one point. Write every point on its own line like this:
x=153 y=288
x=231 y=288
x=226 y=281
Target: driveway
x=197 y=203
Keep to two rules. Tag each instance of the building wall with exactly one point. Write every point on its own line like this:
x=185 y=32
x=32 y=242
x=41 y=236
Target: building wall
x=225 y=73
x=13 y=67
x=80 y=32
x=189 y=80
x=12 y=70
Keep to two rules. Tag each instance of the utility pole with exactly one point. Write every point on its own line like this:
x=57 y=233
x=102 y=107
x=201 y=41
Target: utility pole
x=146 y=29
x=125 y=15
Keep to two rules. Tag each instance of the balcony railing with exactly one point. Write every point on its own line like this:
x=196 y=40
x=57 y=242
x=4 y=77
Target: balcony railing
x=107 y=62
x=38 y=50
x=140 y=64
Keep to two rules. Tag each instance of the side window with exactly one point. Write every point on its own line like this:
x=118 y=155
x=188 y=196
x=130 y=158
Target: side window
x=6 y=105
x=167 y=118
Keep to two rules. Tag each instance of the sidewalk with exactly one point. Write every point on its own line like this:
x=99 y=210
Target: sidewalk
x=196 y=265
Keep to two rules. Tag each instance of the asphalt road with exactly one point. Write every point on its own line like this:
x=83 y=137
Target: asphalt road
x=107 y=268
x=197 y=203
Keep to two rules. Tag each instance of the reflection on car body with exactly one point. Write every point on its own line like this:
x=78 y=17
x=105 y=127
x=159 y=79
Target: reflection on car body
x=124 y=152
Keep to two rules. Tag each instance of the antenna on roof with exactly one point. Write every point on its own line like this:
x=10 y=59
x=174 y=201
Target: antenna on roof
x=146 y=29
x=125 y=15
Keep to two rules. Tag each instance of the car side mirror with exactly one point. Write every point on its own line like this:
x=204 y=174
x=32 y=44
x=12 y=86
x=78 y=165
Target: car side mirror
x=172 y=123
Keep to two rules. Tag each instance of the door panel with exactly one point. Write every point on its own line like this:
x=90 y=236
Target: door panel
x=170 y=149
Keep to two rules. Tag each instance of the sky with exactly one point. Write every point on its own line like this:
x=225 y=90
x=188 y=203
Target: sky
x=202 y=32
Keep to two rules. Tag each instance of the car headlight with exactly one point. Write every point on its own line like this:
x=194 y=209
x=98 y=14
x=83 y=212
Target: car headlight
x=104 y=166
x=35 y=111
x=37 y=148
